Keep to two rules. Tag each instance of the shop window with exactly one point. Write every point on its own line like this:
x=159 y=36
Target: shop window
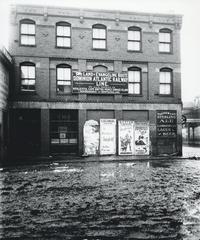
x=165 y=81
x=134 y=39
x=63 y=78
x=63 y=35
x=27 y=76
x=165 y=40
x=27 y=32
x=64 y=131
x=99 y=36
x=134 y=81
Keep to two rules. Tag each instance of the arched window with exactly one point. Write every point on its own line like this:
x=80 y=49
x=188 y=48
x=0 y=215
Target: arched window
x=63 y=73
x=134 y=39
x=99 y=36
x=134 y=81
x=27 y=32
x=165 y=81
x=63 y=34
x=100 y=68
x=27 y=70
x=165 y=40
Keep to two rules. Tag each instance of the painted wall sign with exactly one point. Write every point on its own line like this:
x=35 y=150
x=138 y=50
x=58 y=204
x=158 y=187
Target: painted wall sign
x=100 y=82
x=166 y=124
x=141 y=138
x=91 y=137
x=107 y=136
x=126 y=137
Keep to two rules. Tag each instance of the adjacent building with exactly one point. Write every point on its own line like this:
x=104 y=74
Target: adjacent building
x=6 y=68
x=191 y=124
x=74 y=65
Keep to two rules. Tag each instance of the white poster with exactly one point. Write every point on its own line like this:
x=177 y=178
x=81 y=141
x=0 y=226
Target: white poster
x=91 y=137
x=126 y=137
x=107 y=136
x=142 y=138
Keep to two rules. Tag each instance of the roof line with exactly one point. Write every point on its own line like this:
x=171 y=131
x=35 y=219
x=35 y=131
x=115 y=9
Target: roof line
x=99 y=10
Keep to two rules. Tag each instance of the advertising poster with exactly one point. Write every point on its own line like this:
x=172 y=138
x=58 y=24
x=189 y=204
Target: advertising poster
x=126 y=137
x=91 y=137
x=107 y=136
x=141 y=138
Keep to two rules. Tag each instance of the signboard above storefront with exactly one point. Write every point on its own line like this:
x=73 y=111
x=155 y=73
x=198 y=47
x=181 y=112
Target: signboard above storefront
x=100 y=82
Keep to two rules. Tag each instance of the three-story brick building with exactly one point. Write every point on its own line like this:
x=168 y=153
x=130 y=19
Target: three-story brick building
x=61 y=57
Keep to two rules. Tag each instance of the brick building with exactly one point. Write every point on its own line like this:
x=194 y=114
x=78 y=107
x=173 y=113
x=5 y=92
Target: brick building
x=6 y=68
x=58 y=54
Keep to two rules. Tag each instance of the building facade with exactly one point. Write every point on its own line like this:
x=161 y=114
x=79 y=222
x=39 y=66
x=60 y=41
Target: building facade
x=75 y=65
x=6 y=68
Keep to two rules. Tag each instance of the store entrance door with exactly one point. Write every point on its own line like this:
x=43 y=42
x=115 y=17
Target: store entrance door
x=26 y=132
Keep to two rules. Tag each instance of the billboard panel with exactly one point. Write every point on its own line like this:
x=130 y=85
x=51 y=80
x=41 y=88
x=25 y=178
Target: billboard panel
x=91 y=137
x=141 y=138
x=126 y=137
x=107 y=136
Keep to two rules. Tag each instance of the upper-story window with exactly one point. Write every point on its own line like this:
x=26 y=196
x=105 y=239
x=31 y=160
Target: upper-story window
x=134 y=39
x=99 y=36
x=27 y=32
x=63 y=34
x=165 y=40
x=64 y=76
x=165 y=81
x=100 y=68
x=134 y=81
x=27 y=76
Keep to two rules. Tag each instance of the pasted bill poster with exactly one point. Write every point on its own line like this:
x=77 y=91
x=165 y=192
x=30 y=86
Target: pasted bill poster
x=107 y=136
x=141 y=138
x=126 y=137
x=91 y=137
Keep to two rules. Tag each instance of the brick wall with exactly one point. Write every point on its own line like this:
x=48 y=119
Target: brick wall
x=46 y=56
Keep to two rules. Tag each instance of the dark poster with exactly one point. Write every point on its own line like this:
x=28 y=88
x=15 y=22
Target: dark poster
x=166 y=124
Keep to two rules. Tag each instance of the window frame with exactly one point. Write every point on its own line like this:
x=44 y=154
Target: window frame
x=169 y=31
x=28 y=22
x=99 y=26
x=138 y=29
x=63 y=24
x=27 y=64
x=169 y=70
x=134 y=83
x=64 y=65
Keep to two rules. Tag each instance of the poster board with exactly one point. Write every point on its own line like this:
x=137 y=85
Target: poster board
x=91 y=137
x=125 y=137
x=107 y=136
x=142 y=138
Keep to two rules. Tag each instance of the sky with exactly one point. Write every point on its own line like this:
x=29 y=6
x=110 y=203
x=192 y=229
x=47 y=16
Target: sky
x=190 y=32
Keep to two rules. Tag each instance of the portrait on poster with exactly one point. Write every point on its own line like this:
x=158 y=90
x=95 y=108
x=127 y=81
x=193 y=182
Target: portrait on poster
x=126 y=137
